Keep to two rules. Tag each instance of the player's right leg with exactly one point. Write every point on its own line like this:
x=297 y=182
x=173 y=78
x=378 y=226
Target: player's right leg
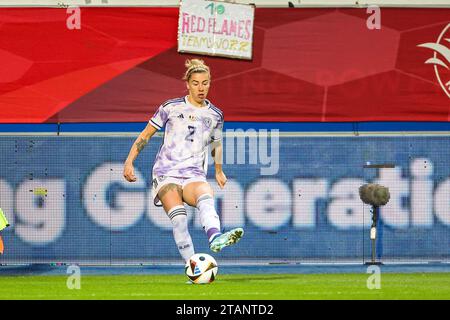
x=171 y=196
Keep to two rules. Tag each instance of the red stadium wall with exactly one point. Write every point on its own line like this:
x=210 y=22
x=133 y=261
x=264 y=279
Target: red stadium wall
x=308 y=65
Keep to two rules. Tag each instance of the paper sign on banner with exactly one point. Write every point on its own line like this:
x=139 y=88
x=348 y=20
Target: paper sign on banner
x=216 y=28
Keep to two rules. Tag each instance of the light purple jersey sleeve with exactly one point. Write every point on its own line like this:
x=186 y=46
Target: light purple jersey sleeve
x=217 y=131
x=160 y=117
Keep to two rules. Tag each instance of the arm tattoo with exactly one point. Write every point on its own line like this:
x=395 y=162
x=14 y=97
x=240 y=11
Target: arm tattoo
x=141 y=144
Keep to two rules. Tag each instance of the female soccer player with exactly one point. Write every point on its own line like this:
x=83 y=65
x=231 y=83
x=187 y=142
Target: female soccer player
x=191 y=124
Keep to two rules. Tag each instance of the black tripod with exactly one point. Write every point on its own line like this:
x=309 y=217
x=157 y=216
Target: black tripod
x=373 y=235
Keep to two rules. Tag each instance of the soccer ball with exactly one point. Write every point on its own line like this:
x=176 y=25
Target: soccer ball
x=201 y=268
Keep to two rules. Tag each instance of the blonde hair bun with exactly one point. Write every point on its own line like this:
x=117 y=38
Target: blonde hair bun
x=194 y=66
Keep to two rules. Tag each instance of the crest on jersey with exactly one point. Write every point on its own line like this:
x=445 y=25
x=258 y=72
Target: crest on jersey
x=207 y=122
x=441 y=58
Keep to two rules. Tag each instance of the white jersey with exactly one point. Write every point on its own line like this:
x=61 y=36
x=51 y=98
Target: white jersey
x=188 y=132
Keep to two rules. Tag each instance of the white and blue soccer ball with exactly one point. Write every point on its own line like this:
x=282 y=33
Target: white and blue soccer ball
x=201 y=268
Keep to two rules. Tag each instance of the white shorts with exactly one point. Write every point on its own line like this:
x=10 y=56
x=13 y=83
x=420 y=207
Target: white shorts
x=159 y=182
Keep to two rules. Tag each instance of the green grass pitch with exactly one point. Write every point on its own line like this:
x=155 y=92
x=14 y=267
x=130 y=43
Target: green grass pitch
x=229 y=287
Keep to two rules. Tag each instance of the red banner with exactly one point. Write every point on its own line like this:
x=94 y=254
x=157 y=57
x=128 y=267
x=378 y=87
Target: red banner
x=119 y=64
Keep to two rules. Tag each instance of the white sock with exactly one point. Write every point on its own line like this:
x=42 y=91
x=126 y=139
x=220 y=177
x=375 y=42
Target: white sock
x=183 y=239
x=208 y=216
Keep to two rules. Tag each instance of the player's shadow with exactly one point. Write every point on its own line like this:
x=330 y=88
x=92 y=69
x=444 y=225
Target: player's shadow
x=32 y=269
x=256 y=278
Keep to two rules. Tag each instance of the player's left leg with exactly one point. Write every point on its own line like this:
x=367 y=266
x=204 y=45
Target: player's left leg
x=199 y=194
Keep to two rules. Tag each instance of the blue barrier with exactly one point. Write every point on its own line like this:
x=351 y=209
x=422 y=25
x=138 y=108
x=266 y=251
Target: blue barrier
x=297 y=198
x=355 y=127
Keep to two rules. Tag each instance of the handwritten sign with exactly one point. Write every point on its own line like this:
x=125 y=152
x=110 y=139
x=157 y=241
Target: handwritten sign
x=216 y=28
